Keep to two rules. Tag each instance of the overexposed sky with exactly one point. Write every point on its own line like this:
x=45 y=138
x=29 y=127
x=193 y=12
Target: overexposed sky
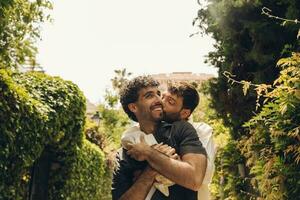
x=89 y=39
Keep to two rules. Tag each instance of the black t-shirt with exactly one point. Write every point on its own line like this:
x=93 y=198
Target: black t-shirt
x=180 y=135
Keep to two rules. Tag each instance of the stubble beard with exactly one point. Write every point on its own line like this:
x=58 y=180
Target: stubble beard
x=171 y=117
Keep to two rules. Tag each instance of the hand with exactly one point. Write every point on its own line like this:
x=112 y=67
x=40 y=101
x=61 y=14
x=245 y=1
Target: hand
x=167 y=150
x=139 y=151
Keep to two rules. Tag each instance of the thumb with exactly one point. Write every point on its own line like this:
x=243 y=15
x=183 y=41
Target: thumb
x=142 y=139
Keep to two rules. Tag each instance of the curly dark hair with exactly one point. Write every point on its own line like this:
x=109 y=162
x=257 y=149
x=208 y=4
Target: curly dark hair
x=188 y=92
x=130 y=92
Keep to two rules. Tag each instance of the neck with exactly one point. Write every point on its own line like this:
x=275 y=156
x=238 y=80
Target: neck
x=148 y=127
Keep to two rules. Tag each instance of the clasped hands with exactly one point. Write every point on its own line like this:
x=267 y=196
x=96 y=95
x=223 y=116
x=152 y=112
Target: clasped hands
x=142 y=150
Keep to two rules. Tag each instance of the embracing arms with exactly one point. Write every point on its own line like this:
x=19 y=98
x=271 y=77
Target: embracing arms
x=188 y=172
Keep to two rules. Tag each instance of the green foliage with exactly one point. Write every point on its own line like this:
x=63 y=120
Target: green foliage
x=113 y=119
x=93 y=135
x=103 y=141
x=36 y=111
x=121 y=77
x=65 y=105
x=272 y=147
x=107 y=133
x=82 y=176
x=248 y=45
x=113 y=123
x=42 y=113
x=227 y=181
x=19 y=30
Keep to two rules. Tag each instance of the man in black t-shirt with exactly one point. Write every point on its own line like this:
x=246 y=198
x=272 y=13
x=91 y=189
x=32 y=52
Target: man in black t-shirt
x=141 y=101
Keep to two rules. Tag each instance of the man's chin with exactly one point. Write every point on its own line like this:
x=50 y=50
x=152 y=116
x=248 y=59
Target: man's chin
x=170 y=119
x=157 y=117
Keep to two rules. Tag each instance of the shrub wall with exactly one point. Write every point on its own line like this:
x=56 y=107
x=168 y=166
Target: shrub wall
x=39 y=112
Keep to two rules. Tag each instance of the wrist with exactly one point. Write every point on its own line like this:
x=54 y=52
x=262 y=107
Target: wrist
x=149 y=175
x=150 y=171
x=148 y=152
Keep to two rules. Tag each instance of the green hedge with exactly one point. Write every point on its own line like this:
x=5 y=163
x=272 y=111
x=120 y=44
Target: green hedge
x=83 y=177
x=37 y=112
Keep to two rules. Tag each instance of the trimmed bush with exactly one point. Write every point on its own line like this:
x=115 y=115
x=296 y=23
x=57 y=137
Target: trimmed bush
x=83 y=176
x=43 y=113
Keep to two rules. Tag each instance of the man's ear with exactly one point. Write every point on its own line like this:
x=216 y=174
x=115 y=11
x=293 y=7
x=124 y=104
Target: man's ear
x=185 y=113
x=132 y=107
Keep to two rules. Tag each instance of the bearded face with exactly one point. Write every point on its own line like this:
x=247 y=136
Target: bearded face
x=172 y=107
x=149 y=105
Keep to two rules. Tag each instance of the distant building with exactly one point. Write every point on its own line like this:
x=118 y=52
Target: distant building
x=91 y=109
x=177 y=77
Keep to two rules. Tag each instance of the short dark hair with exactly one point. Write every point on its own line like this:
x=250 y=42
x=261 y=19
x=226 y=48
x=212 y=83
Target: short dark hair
x=188 y=92
x=129 y=93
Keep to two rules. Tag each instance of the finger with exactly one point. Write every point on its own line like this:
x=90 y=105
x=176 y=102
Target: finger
x=162 y=147
x=175 y=156
x=171 y=151
x=165 y=148
x=142 y=139
x=157 y=146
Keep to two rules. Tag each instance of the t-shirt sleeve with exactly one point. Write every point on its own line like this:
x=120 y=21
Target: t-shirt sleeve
x=188 y=139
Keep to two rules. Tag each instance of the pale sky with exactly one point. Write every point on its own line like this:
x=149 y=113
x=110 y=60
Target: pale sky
x=89 y=39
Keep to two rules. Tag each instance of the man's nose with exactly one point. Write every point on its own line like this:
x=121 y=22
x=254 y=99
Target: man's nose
x=163 y=101
x=158 y=98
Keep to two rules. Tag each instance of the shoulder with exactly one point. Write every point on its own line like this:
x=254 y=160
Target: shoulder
x=183 y=123
x=131 y=130
x=183 y=130
x=183 y=126
x=131 y=135
x=187 y=138
x=203 y=130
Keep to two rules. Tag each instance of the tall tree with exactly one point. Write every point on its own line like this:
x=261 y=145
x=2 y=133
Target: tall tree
x=248 y=45
x=19 y=30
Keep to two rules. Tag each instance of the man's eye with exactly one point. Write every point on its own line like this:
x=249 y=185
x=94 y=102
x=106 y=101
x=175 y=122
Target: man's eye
x=171 y=102
x=148 y=95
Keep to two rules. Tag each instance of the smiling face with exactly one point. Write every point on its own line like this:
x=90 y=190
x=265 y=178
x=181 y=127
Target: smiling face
x=148 y=106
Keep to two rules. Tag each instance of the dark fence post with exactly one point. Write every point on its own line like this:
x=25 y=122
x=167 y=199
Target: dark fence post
x=38 y=189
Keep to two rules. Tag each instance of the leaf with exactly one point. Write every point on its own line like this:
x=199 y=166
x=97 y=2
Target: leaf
x=246 y=85
x=297 y=94
x=298 y=35
x=284 y=23
x=283 y=109
x=266 y=100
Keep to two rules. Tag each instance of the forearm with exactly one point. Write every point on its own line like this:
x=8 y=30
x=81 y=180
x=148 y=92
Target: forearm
x=141 y=187
x=181 y=172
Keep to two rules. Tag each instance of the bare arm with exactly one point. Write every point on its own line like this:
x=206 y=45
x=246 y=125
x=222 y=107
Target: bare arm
x=189 y=172
x=141 y=187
